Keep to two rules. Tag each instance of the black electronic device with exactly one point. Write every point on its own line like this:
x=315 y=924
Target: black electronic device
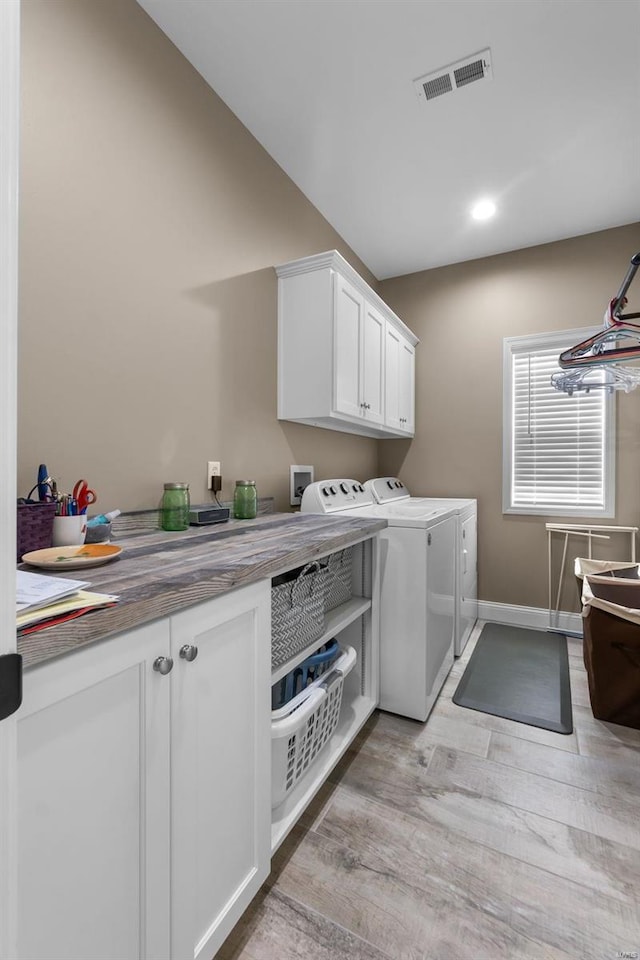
x=201 y=516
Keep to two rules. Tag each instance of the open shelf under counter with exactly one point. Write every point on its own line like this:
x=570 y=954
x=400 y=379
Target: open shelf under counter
x=353 y=716
x=335 y=621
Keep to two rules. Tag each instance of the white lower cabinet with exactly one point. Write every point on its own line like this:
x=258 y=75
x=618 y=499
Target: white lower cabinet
x=144 y=787
x=93 y=803
x=221 y=767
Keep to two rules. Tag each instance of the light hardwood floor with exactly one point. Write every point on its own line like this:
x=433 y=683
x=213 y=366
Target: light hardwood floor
x=469 y=837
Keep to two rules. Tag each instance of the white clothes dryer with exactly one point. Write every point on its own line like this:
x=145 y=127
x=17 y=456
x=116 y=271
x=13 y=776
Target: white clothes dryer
x=392 y=490
x=417 y=576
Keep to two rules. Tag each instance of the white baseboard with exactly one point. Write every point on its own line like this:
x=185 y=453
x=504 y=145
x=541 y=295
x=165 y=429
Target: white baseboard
x=535 y=617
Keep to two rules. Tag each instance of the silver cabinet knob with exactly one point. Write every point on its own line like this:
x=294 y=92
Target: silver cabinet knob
x=189 y=652
x=163 y=665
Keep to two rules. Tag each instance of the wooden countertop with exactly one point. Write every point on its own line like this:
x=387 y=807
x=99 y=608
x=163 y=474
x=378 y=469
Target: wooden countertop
x=159 y=573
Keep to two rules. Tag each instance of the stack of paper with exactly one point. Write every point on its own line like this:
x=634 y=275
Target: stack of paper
x=53 y=599
x=35 y=590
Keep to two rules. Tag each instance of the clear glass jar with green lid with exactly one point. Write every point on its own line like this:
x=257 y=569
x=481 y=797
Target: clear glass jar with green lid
x=175 y=506
x=245 y=500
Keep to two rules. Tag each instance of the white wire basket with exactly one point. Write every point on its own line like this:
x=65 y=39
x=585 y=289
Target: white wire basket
x=301 y=728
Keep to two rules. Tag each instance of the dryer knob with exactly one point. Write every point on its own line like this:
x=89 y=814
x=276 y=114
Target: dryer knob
x=344 y=488
x=390 y=484
x=360 y=488
x=333 y=490
x=325 y=492
x=356 y=487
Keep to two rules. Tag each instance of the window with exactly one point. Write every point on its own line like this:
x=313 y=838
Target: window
x=558 y=450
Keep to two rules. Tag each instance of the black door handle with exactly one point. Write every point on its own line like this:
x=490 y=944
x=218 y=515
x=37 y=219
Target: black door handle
x=10 y=684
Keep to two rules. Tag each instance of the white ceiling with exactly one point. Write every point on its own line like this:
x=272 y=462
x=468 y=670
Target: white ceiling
x=326 y=87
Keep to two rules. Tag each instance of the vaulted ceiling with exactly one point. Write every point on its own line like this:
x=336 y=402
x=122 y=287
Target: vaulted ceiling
x=326 y=86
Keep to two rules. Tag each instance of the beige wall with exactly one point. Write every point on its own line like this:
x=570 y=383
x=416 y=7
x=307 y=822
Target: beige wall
x=150 y=224
x=461 y=314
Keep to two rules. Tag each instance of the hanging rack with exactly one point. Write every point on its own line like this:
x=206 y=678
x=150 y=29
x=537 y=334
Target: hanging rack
x=599 y=351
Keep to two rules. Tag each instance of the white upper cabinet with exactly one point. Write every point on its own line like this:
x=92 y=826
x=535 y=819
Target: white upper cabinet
x=399 y=381
x=345 y=360
x=373 y=364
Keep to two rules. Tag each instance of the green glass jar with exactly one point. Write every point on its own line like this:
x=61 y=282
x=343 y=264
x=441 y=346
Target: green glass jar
x=175 y=506
x=245 y=500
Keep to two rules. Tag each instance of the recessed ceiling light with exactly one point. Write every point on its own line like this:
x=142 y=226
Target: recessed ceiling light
x=483 y=210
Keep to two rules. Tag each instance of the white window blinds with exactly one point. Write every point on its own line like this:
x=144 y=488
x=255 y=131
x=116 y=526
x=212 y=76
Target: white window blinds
x=557 y=450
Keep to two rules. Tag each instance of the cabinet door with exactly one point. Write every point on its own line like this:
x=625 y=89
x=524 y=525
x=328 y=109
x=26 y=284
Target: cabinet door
x=348 y=323
x=393 y=342
x=221 y=766
x=407 y=386
x=372 y=365
x=93 y=789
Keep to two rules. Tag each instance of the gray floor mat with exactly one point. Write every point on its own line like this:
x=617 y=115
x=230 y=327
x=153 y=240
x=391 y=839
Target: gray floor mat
x=521 y=675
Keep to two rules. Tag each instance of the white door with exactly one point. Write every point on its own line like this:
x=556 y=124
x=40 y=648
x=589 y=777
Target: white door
x=348 y=322
x=392 y=378
x=93 y=803
x=220 y=766
x=9 y=96
x=407 y=386
x=372 y=369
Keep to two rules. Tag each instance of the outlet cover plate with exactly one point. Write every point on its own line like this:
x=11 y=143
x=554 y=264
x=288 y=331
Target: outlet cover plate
x=299 y=478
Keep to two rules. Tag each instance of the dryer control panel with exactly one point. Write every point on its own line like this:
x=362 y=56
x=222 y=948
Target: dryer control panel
x=386 y=489
x=331 y=496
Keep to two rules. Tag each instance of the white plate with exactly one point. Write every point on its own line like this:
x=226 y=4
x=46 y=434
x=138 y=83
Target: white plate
x=70 y=558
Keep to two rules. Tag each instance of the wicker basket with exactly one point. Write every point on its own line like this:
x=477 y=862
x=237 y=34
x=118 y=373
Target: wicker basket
x=338 y=567
x=297 y=611
x=35 y=527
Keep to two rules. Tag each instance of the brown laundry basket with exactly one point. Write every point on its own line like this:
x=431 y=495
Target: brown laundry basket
x=612 y=659
x=585 y=568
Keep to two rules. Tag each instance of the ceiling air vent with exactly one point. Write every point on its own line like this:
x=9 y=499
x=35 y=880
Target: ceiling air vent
x=456 y=75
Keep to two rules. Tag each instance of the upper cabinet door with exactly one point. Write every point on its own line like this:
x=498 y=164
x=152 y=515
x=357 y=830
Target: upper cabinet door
x=372 y=365
x=407 y=386
x=392 y=378
x=348 y=324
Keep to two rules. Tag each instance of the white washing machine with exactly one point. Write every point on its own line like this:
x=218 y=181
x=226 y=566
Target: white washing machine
x=417 y=574
x=391 y=490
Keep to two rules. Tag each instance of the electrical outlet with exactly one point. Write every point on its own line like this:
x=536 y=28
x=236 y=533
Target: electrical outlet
x=213 y=470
